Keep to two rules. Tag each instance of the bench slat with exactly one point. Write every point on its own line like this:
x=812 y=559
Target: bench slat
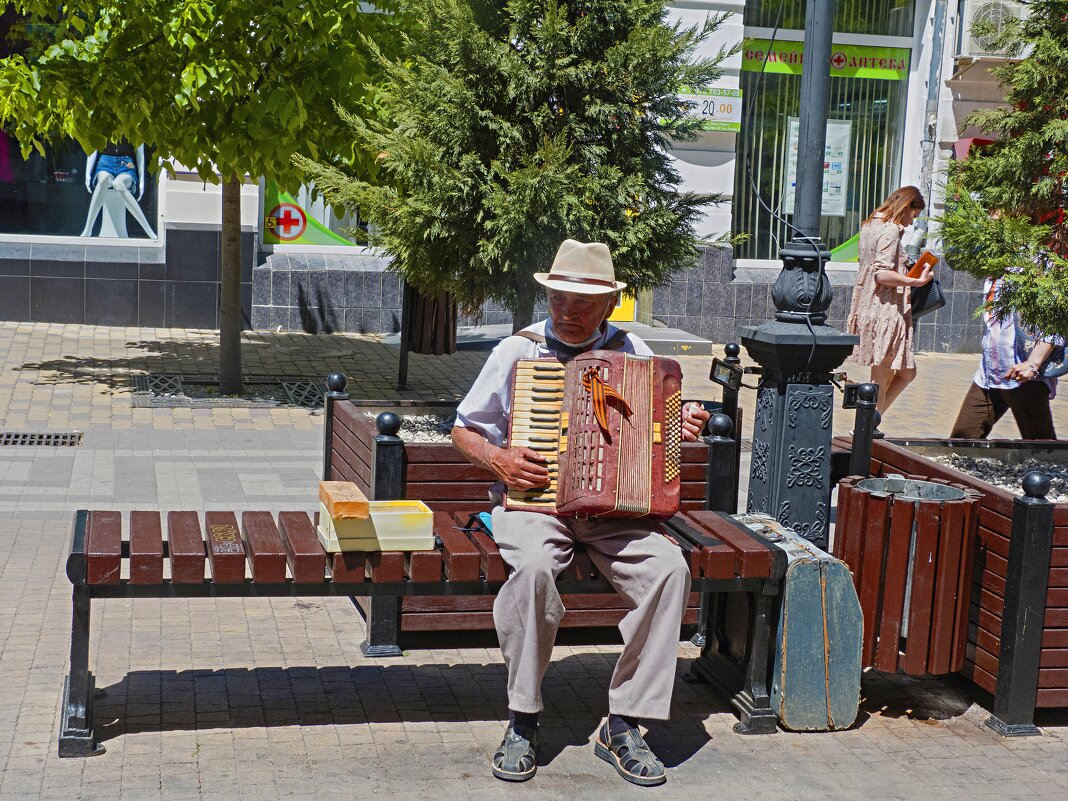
x=691 y=552
x=423 y=566
x=185 y=546
x=462 y=559
x=386 y=567
x=348 y=568
x=449 y=471
x=225 y=550
x=146 y=548
x=490 y=555
x=693 y=452
x=483 y=621
x=304 y=554
x=263 y=543
x=582 y=565
x=754 y=558
x=103 y=548
x=716 y=559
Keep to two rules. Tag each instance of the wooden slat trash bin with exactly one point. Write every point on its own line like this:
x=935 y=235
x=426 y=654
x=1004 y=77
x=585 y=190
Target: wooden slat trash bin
x=910 y=544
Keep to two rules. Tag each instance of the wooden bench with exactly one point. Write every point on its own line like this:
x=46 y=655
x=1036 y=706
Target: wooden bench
x=255 y=554
x=367 y=450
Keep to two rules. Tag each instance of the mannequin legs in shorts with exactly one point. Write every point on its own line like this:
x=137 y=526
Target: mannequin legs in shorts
x=122 y=184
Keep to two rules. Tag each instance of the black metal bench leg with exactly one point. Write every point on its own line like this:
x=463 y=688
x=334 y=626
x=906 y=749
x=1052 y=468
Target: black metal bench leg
x=700 y=637
x=753 y=702
x=383 y=626
x=728 y=673
x=76 y=731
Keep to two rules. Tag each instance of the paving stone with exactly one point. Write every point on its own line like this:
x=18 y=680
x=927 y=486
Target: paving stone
x=269 y=699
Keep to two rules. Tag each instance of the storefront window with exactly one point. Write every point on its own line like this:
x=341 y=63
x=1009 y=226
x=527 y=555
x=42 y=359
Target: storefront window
x=882 y=17
x=866 y=116
x=48 y=195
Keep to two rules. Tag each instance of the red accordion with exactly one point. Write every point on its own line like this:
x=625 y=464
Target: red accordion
x=610 y=427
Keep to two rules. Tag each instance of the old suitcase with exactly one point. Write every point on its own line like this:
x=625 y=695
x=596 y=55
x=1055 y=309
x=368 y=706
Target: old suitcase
x=815 y=683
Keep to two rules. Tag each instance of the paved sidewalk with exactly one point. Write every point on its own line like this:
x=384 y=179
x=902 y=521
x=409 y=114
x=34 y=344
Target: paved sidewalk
x=265 y=699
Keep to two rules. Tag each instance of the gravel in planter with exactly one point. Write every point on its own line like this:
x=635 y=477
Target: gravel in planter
x=1009 y=476
x=425 y=427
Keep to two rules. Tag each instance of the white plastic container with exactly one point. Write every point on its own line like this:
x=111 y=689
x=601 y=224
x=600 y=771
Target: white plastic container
x=390 y=526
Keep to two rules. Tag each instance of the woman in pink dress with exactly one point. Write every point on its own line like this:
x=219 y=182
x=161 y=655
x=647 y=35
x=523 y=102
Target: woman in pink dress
x=881 y=314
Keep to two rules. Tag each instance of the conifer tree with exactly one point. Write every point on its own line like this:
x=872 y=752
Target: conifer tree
x=1006 y=203
x=518 y=124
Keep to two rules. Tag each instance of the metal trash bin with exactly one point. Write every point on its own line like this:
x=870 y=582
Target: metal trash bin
x=910 y=544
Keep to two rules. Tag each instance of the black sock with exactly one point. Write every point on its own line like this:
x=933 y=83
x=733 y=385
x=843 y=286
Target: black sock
x=617 y=724
x=529 y=719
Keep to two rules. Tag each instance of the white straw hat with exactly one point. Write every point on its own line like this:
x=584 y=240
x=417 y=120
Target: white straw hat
x=581 y=267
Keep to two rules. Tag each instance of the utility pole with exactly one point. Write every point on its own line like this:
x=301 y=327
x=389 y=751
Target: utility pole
x=789 y=476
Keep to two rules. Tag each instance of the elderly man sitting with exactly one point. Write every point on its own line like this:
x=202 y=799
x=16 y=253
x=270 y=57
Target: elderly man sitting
x=643 y=565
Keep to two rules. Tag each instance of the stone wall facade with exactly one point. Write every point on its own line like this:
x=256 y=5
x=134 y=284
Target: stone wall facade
x=715 y=298
x=170 y=284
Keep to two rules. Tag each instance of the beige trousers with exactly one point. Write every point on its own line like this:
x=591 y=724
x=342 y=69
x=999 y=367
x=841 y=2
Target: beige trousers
x=647 y=569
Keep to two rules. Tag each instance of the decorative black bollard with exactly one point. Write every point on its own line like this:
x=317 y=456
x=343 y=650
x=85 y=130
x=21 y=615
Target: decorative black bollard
x=1027 y=580
x=388 y=479
x=730 y=396
x=335 y=391
x=877 y=434
x=389 y=471
x=720 y=474
x=730 y=408
x=721 y=493
x=863 y=430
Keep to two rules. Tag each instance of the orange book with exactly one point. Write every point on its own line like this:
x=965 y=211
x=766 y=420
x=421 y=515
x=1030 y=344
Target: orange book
x=926 y=258
x=343 y=500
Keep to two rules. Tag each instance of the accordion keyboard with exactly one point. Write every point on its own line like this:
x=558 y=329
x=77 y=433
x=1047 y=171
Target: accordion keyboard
x=537 y=397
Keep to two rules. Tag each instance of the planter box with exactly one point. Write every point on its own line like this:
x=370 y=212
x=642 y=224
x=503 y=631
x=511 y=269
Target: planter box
x=441 y=477
x=438 y=475
x=908 y=457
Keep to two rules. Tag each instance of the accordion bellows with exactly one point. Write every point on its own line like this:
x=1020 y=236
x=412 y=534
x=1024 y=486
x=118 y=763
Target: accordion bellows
x=609 y=424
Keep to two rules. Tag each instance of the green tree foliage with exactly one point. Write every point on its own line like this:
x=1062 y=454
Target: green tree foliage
x=1006 y=202
x=226 y=89
x=519 y=124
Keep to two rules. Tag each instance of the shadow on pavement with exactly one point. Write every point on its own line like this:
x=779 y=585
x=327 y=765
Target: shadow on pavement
x=927 y=698
x=266 y=353
x=575 y=691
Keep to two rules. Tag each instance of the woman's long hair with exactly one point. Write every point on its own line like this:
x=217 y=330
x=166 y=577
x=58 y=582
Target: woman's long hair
x=895 y=206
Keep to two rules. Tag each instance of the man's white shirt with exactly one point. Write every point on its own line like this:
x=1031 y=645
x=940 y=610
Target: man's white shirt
x=487 y=407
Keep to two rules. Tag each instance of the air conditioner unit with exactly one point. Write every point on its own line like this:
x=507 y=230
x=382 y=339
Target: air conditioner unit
x=995 y=12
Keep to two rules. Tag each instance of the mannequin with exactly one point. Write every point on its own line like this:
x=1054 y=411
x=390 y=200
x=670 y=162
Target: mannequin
x=113 y=178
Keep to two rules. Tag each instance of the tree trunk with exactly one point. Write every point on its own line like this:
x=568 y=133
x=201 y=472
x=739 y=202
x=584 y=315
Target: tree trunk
x=230 y=297
x=523 y=313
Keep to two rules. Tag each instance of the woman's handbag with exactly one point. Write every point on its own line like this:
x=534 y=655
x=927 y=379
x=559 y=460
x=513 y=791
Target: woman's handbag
x=1056 y=365
x=927 y=298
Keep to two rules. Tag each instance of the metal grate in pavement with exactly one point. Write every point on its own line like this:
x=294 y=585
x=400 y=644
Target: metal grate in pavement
x=52 y=439
x=306 y=392
x=200 y=391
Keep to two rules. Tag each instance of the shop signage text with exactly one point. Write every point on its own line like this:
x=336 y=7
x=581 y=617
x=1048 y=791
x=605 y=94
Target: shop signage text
x=847 y=61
